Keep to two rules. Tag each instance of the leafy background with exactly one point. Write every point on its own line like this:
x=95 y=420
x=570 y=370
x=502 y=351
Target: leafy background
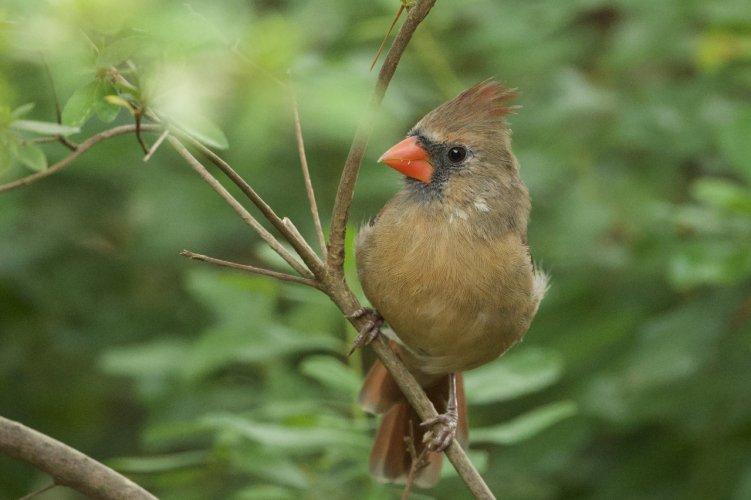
x=203 y=383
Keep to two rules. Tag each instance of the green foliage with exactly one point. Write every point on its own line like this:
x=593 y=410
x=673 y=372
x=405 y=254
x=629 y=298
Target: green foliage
x=633 y=139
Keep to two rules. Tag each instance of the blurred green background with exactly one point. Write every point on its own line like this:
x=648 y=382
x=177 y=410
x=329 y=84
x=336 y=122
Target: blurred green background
x=634 y=139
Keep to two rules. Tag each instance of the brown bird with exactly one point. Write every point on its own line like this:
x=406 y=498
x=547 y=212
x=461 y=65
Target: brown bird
x=446 y=264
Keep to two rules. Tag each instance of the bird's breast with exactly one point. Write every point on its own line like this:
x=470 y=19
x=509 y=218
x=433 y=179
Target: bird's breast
x=454 y=300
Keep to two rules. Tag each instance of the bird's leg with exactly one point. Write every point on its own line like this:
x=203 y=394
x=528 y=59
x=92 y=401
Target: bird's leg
x=444 y=425
x=369 y=331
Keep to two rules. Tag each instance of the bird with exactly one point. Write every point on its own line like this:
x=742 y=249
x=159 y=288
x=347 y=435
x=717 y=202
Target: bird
x=447 y=266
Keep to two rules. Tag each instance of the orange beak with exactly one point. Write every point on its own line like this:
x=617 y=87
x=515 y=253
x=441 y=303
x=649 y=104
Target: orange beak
x=409 y=158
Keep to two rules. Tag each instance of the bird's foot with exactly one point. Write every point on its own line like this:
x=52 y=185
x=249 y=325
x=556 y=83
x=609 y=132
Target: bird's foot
x=369 y=331
x=443 y=432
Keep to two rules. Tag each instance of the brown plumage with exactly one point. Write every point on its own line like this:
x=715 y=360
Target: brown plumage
x=446 y=263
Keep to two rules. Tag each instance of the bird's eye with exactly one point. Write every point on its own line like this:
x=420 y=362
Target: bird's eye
x=457 y=154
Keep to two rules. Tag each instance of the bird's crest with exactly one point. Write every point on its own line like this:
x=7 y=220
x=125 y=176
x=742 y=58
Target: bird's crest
x=484 y=103
x=488 y=96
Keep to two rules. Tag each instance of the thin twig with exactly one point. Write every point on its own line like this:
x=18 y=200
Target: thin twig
x=386 y=37
x=308 y=256
x=418 y=461
x=80 y=150
x=250 y=269
x=137 y=115
x=345 y=191
x=238 y=208
x=156 y=145
x=306 y=176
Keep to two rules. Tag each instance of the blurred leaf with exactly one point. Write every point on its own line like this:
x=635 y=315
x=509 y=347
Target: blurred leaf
x=332 y=373
x=22 y=110
x=80 y=105
x=709 y=262
x=153 y=464
x=8 y=147
x=290 y=437
x=521 y=371
x=735 y=145
x=44 y=128
x=527 y=425
x=723 y=194
x=117 y=101
x=717 y=49
x=120 y=50
x=105 y=111
x=265 y=492
x=203 y=130
x=32 y=156
x=157 y=358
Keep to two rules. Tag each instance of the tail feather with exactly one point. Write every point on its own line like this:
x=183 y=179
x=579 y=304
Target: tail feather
x=390 y=458
x=379 y=391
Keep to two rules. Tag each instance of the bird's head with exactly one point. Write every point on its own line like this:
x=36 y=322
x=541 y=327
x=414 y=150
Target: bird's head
x=459 y=145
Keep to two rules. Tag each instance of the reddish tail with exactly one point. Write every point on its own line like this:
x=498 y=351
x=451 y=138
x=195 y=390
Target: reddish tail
x=390 y=460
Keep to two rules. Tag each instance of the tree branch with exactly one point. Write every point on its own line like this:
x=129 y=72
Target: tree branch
x=80 y=150
x=67 y=466
x=306 y=175
x=298 y=243
x=238 y=208
x=250 y=269
x=345 y=192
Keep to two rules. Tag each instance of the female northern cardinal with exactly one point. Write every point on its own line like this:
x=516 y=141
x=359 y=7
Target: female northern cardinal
x=446 y=264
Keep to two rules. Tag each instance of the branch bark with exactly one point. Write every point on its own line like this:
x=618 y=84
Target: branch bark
x=67 y=466
x=80 y=150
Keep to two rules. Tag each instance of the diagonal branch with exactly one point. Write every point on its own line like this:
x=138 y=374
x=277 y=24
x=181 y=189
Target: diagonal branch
x=80 y=150
x=67 y=466
x=250 y=269
x=298 y=243
x=345 y=192
x=306 y=175
x=238 y=208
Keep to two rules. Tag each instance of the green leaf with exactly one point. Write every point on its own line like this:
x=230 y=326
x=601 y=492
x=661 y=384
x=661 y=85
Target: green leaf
x=22 y=110
x=527 y=425
x=119 y=50
x=266 y=492
x=203 y=130
x=81 y=104
x=303 y=438
x=519 y=372
x=723 y=194
x=152 y=464
x=104 y=110
x=332 y=373
x=735 y=143
x=44 y=128
x=7 y=150
x=32 y=156
x=710 y=262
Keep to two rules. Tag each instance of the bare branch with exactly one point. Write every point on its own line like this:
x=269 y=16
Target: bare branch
x=298 y=243
x=81 y=149
x=345 y=192
x=67 y=466
x=238 y=208
x=156 y=145
x=250 y=269
x=306 y=176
